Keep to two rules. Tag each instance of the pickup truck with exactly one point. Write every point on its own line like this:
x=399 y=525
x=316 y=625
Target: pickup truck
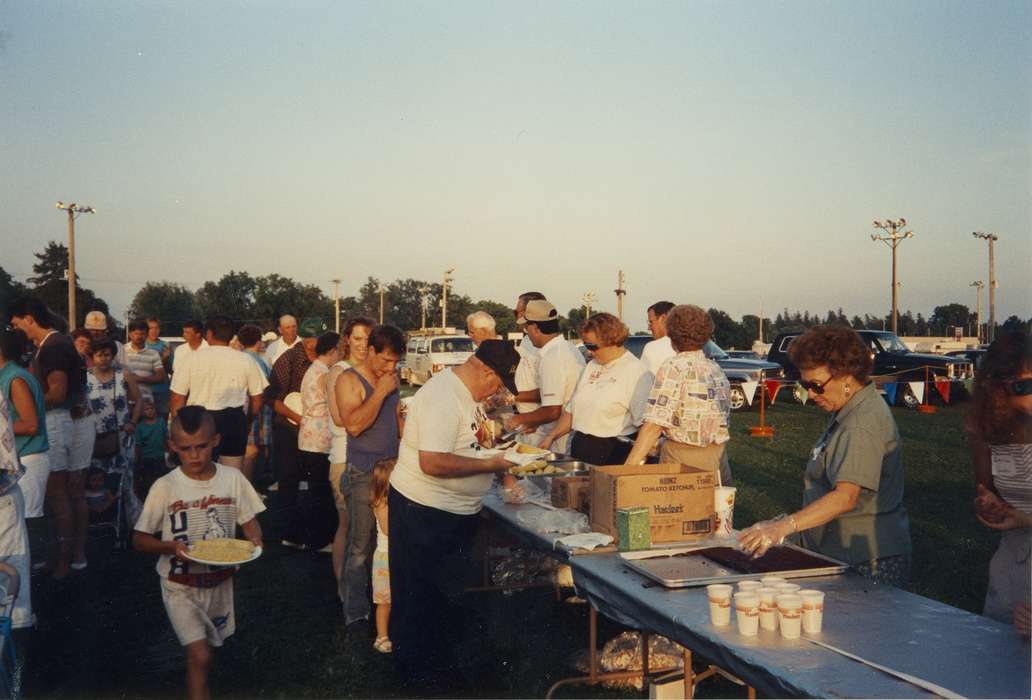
x=893 y=361
x=738 y=370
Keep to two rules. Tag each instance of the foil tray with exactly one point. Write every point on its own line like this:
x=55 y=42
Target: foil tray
x=687 y=567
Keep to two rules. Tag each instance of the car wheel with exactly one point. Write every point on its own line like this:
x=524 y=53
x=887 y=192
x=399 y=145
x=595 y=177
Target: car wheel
x=737 y=398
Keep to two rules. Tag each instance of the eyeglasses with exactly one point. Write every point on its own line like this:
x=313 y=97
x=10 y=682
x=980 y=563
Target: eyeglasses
x=1019 y=387
x=815 y=387
x=591 y=347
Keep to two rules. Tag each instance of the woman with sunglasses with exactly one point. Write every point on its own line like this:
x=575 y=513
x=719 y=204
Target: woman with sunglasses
x=998 y=429
x=608 y=404
x=853 y=484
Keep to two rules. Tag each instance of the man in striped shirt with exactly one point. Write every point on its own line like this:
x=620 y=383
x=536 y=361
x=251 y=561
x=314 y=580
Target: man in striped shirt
x=143 y=362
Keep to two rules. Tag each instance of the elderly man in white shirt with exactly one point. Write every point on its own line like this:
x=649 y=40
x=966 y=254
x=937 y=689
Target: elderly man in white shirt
x=528 y=398
x=658 y=351
x=559 y=368
x=480 y=326
x=226 y=382
x=288 y=339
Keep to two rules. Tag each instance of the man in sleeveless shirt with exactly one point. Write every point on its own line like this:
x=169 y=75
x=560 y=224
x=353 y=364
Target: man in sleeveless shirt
x=368 y=404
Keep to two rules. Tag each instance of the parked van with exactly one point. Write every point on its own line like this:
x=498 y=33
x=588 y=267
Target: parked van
x=432 y=354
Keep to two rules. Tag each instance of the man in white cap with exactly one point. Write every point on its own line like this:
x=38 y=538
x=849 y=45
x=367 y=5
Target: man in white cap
x=559 y=367
x=96 y=323
x=288 y=339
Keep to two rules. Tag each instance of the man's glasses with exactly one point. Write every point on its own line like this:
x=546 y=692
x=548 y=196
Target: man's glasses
x=1019 y=387
x=815 y=387
x=591 y=347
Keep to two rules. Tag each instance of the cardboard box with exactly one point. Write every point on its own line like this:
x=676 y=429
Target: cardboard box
x=679 y=499
x=571 y=492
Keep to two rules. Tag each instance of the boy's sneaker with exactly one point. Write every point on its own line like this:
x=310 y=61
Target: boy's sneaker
x=273 y=487
x=292 y=545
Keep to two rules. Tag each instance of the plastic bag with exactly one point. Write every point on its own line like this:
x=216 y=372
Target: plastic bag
x=562 y=520
x=623 y=653
x=520 y=567
x=522 y=491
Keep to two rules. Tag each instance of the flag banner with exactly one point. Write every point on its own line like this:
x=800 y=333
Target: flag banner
x=890 y=392
x=918 y=390
x=773 y=385
x=944 y=390
x=749 y=389
x=801 y=394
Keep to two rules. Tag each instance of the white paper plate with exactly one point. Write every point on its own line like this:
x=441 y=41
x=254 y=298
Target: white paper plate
x=257 y=552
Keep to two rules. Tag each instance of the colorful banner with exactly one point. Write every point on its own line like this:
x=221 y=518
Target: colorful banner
x=749 y=389
x=944 y=390
x=773 y=385
x=890 y=392
x=918 y=390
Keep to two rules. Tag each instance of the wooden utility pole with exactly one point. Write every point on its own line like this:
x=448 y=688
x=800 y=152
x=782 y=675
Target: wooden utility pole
x=759 y=324
x=588 y=298
x=381 y=304
x=73 y=209
x=620 y=291
x=978 y=285
x=892 y=240
x=444 y=298
x=990 y=334
x=336 y=305
x=423 y=302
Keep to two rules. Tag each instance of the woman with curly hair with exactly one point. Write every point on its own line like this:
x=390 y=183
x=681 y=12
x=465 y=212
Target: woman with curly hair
x=998 y=433
x=853 y=485
x=608 y=404
x=689 y=403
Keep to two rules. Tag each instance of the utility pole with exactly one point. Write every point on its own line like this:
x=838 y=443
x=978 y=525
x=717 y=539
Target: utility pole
x=759 y=324
x=336 y=305
x=620 y=291
x=73 y=210
x=444 y=298
x=588 y=298
x=990 y=333
x=381 y=304
x=978 y=285
x=892 y=240
x=424 y=302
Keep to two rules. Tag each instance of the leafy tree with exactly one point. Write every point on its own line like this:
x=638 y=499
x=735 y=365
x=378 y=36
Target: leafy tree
x=728 y=333
x=9 y=290
x=1014 y=324
x=275 y=295
x=233 y=296
x=172 y=303
x=945 y=317
x=51 y=287
x=750 y=326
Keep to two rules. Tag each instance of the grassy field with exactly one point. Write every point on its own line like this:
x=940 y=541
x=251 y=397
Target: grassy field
x=106 y=635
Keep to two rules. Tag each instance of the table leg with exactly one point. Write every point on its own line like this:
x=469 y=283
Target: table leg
x=645 y=661
x=593 y=642
x=689 y=675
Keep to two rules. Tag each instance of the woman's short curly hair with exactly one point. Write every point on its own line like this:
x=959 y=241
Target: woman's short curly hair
x=688 y=327
x=607 y=328
x=839 y=348
x=990 y=415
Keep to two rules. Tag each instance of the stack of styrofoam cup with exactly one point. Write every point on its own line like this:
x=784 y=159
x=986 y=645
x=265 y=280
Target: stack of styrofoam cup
x=813 y=610
x=790 y=613
x=720 y=603
x=747 y=613
x=768 y=608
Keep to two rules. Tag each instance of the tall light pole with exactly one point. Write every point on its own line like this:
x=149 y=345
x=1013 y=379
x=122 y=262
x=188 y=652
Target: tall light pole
x=381 y=304
x=444 y=298
x=73 y=210
x=892 y=239
x=620 y=291
x=336 y=306
x=588 y=298
x=978 y=285
x=424 y=302
x=990 y=333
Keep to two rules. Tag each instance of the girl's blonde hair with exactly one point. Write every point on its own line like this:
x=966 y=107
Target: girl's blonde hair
x=381 y=481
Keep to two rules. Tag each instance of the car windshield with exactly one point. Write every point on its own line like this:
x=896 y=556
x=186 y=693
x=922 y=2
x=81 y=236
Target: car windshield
x=451 y=345
x=891 y=343
x=714 y=351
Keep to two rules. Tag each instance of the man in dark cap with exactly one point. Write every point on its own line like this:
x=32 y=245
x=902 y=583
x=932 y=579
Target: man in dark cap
x=436 y=491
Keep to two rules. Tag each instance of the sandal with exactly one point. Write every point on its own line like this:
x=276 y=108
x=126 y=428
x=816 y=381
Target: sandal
x=383 y=645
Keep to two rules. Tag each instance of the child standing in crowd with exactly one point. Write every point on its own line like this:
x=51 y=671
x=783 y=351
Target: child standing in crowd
x=381 y=573
x=151 y=435
x=99 y=497
x=184 y=505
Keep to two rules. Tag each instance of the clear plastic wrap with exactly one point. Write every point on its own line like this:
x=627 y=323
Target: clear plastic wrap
x=562 y=520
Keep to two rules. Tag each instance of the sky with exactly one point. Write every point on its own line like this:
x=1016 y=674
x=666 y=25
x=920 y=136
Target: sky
x=727 y=154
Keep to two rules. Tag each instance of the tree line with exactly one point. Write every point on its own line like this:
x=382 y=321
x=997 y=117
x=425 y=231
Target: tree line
x=410 y=304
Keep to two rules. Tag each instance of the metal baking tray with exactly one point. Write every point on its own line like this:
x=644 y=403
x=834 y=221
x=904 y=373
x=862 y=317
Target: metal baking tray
x=687 y=567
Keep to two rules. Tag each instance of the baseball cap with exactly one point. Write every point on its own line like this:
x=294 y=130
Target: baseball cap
x=95 y=321
x=269 y=337
x=311 y=327
x=501 y=357
x=538 y=311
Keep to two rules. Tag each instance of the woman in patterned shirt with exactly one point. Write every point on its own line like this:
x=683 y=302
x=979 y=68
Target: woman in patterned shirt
x=998 y=432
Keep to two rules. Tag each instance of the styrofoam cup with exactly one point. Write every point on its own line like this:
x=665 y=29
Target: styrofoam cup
x=747 y=612
x=813 y=610
x=768 y=607
x=790 y=613
x=749 y=585
x=724 y=505
x=719 y=595
x=788 y=587
x=771 y=581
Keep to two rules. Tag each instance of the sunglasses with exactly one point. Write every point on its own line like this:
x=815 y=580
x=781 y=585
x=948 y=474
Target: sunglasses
x=815 y=387
x=591 y=347
x=1019 y=387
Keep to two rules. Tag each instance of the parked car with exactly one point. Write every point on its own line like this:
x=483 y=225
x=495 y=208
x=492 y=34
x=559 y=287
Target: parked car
x=410 y=353
x=972 y=355
x=892 y=359
x=743 y=355
x=738 y=370
x=432 y=354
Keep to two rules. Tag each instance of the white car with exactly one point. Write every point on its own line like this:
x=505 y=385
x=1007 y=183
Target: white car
x=432 y=354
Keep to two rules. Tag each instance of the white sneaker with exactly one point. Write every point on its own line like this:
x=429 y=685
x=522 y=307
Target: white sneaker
x=328 y=549
x=274 y=488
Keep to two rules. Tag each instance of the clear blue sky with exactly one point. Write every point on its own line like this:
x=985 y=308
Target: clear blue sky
x=725 y=154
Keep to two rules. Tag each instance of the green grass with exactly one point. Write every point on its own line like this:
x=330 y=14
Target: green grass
x=107 y=634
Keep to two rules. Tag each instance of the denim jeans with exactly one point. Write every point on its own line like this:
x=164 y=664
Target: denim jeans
x=358 y=552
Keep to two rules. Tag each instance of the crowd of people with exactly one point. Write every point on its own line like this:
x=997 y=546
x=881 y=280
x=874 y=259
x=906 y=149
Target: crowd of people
x=173 y=441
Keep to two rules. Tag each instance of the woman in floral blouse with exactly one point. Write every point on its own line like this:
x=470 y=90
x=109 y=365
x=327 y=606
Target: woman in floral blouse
x=314 y=440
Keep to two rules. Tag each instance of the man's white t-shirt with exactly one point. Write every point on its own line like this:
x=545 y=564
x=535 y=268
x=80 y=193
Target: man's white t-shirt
x=527 y=373
x=277 y=348
x=218 y=377
x=610 y=399
x=559 y=369
x=657 y=352
x=191 y=510
x=184 y=351
x=442 y=417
